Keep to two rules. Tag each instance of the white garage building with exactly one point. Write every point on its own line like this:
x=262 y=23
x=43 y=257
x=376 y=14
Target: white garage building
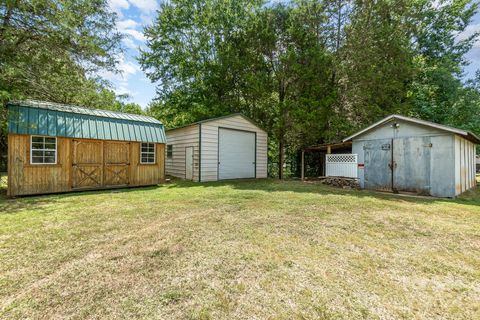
x=229 y=147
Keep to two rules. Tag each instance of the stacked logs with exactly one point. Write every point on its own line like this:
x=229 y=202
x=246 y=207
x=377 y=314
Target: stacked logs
x=340 y=182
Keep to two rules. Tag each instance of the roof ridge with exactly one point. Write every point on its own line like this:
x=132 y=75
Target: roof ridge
x=33 y=103
x=439 y=126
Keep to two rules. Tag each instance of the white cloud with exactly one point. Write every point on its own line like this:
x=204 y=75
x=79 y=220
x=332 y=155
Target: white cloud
x=147 y=18
x=119 y=5
x=135 y=34
x=469 y=31
x=120 y=79
x=130 y=43
x=145 y=5
x=127 y=24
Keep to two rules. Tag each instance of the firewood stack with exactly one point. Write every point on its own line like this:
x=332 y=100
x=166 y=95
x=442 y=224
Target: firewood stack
x=340 y=182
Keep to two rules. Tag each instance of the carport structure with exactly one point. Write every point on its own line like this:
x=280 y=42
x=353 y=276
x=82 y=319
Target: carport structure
x=327 y=154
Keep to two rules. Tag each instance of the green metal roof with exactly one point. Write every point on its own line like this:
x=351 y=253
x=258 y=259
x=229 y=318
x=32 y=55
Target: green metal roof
x=54 y=119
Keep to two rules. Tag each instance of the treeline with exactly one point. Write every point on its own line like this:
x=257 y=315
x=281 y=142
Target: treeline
x=312 y=71
x=50 y=50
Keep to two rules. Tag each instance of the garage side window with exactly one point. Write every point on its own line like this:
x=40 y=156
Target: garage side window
x=169 y=151
x=43 y=150
x=147 y=154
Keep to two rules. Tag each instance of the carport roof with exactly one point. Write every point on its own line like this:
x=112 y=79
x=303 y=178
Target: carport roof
x=466 y=134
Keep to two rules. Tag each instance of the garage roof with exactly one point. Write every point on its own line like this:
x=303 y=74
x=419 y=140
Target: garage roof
x=466 y=134
x=54 y=119
x=218 y=118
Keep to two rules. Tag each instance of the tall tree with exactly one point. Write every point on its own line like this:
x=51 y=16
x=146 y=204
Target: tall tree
x=269 y=62
x=48 y=47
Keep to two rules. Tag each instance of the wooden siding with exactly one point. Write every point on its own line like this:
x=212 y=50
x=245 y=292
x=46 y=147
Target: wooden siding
x=180 y=139
x=26 y=178
x=209 y=148
x=464 y=165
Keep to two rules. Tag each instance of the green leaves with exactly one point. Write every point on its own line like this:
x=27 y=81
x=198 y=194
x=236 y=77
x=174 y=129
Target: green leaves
x=311 y=71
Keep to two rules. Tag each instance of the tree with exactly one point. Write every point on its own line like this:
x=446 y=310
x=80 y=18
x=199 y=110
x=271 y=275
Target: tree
x=439 y=58
x=216 y=57
x=48 y=47
x=311 y=71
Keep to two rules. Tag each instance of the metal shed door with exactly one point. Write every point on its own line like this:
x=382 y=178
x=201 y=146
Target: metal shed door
x=236 y=154
x=411 y=163
x=189 y=163
x=378 y=159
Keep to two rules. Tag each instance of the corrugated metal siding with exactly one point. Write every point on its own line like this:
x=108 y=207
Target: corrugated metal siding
x=450 y=157
x=209 y=146
x=180 y=139
x=43 y=105
x=464 y=165
x=41 y=121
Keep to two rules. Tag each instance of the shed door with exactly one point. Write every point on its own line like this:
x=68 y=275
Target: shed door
x=189 y=163
x=236 y=154
x=116 y=163
x=87 y=162
x=411 y=163
x=378 y=158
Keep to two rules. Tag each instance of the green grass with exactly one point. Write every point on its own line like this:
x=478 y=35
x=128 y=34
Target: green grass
x=239 y=250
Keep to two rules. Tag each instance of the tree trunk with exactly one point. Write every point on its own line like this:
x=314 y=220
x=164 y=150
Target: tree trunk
x=281 y=154
x=283 y=122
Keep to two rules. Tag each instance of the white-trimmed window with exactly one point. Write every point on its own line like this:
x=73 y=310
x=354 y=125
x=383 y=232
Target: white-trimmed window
x=43 y=150
x=169 y=151
x=147 y=153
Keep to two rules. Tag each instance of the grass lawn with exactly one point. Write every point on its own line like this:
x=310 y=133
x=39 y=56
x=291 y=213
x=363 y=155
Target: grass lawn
x=240 y=250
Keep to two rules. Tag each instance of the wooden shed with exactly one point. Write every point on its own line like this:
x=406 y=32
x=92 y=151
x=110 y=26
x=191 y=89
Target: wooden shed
x=229 y=147
x=58 y=148
x=400 y=153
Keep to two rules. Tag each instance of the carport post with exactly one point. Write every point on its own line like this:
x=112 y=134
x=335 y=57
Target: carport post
x=303 y=165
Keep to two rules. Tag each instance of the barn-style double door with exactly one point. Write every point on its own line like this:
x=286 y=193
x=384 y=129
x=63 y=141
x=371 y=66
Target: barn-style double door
x=97 y=164
x=400 y=164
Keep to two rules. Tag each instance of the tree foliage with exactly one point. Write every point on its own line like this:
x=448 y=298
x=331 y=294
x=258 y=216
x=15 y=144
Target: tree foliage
x=48 y=49
x=312 y=71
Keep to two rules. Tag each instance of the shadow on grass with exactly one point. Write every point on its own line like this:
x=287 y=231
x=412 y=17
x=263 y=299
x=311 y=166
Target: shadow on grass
x=41 y=202
x=471 y=197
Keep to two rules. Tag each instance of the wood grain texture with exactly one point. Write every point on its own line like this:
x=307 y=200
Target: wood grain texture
x=81 y=164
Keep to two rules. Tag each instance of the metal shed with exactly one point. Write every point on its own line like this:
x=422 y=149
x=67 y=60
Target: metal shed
x=400 y=153
x=229 y=147
x=57 y=148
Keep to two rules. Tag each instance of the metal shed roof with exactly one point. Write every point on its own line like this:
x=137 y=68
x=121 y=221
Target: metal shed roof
x=466 y=134
x=54 y=119
x=218 y=118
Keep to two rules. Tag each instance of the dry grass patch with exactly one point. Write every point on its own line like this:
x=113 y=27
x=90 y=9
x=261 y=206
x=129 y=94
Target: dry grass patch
x=243 y=250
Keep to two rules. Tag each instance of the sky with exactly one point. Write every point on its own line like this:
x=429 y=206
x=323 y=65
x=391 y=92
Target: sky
x=133 y=15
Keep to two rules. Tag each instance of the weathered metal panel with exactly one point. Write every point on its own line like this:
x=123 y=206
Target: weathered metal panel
x=403 y=129
x=75 y=122
x=52 y=123
x=411 y=164
x=60 y=124
x=378 y=157
x=439 y=170
x=32 y=124
x=442 y=173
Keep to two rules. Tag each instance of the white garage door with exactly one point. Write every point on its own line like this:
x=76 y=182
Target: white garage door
x=236 y=154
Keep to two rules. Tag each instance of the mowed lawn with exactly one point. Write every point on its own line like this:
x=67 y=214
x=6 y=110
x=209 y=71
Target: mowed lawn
x=239 y=250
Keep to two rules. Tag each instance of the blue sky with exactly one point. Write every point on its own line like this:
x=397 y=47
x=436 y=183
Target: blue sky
x=135 y=14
